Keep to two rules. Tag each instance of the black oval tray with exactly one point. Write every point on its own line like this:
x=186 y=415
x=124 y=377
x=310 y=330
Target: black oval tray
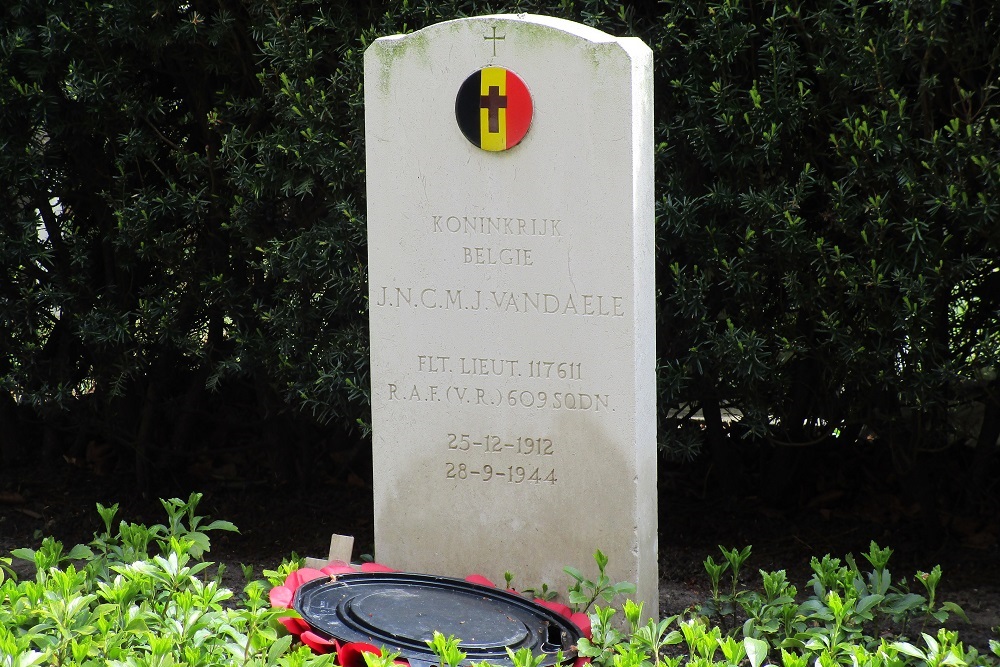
x=400 y=611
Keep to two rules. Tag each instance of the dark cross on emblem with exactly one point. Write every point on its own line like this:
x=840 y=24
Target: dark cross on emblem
x=493 y=102
x=494 y=39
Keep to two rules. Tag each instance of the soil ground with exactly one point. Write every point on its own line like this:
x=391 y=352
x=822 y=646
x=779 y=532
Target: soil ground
x=277 y=519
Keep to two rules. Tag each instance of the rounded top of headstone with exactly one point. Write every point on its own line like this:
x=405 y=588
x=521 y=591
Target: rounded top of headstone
x=527 y=33
x=563 y=25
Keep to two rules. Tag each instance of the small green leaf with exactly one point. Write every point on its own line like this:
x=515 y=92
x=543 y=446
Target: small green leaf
x=955 y=609
x=29 y=658
x=80 y=552
x=910 y=650
x=221 y=525
x=24 y=554
x=867 y=602
x=277 y=648
x=200 y=543
x=904 y=603
x=624 y=588
x=586 y=649
x=673 y=637
x=756 y=650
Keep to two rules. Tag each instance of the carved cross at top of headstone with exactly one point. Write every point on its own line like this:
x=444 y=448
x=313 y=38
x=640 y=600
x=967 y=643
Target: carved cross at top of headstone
x=494 y=39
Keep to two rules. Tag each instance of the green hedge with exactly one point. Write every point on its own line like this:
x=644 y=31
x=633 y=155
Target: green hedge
x=828 y=203
x=184 y=233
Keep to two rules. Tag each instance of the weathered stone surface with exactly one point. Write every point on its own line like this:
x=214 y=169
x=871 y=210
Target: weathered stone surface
x=511 y=304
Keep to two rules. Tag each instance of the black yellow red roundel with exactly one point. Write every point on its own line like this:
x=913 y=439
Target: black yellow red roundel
x=493 y=109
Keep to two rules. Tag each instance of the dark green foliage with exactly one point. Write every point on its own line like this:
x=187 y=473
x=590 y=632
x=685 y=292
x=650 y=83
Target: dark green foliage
x=827 y=223
x=197 y=172
x=184 y=233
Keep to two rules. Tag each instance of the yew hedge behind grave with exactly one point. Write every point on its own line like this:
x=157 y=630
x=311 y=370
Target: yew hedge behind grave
x=183 y=220
x=829 y=237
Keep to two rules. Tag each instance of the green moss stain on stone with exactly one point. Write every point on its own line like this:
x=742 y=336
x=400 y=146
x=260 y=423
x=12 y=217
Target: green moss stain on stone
x=518 y=36
x=536 y=35
x=393 y=49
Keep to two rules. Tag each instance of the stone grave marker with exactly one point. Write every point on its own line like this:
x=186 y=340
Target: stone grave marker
x=511 y=297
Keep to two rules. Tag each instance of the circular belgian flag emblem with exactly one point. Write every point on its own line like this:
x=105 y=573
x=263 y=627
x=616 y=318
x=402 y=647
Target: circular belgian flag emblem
x=493 y=109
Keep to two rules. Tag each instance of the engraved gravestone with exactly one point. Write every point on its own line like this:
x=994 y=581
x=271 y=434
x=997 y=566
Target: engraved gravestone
x=510 y=240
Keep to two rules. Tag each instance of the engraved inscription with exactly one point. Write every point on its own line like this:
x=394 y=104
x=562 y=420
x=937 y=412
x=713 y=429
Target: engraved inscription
x=509 y=474
x=433 y=364
x=521 y=303
x=495 y=444
x=504 y=384
x=498 y=226
x=499 y=398
x=478 y=366
x=492 y=366
x=497 y=256
x=557 y=400
x=429 y=297
x=502 y=397
x=495 y=226
x=562 y=370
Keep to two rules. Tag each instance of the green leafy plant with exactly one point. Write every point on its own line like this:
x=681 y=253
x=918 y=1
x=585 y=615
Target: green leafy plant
x=584 y=592
x=605 y=637
x=845 y=609
x=183 y=522
x=723 y=603
x=50 y=554
x=930 y=608
x=106 y=605
x=290 y=564
x=629 y=655
x=942 y=649
x=446 y=649
x=139 y=597
x=523 y=657
x=655 y=637
x=775 y=610
x=542 y=592
x=702 y=639
x=840 y=623
x=872 y=597
x=384 y=659
x=5 y=569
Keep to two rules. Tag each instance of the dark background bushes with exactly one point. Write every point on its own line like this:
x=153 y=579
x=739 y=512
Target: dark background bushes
x=184 y=261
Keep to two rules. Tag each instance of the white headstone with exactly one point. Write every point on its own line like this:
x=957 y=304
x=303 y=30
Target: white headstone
x=512 y=300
